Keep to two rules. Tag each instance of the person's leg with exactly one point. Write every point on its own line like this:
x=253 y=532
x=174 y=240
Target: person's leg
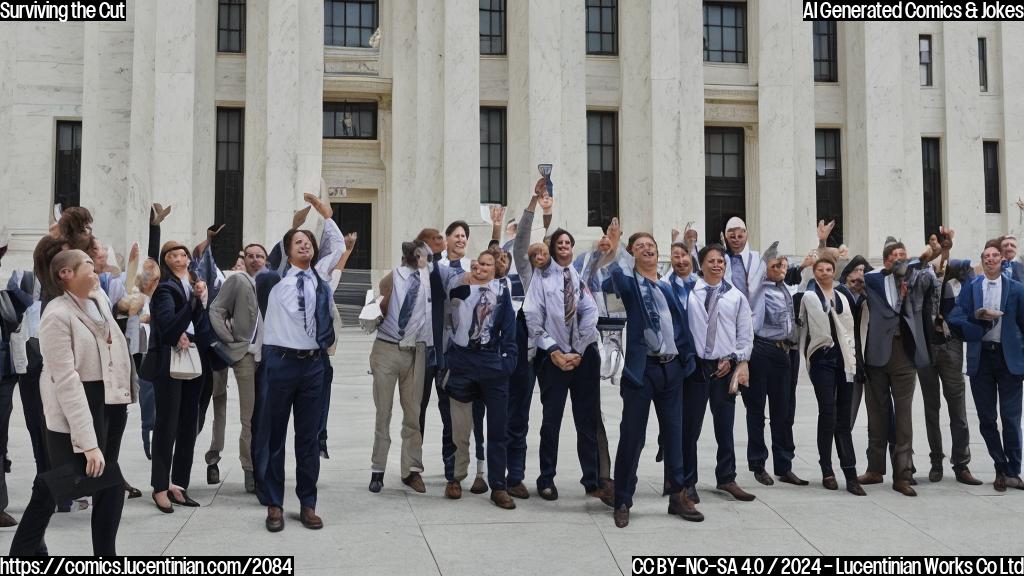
x=585 y=389
x=876 y=400
x=695 y=404
x=205 y=395
x=6 y=407
x=34 y=520
x=1009 y=413
x=447 y=444
x=281 y=381
x=984 y=388
x=220 y=415
x=754 y=397
x=950 y=363
x=856 y=397
x=636 y=406
x=325 y=395
x=554 y=389
x=822 y=372
x=261 y=421
x=495 y=394
x=462 y=425
x=385 y=364
x=147 y=414
x=903 y=383
x=167 y=405
x=410 y=391
x=245 y=378
x=479 y=410
x=429 y=373
x=520 y=397
x=35 y=421
x=308 y=404
x=185 y=442
x=108 y=504
x=844 y=435
x=930 y=392
x=723 y=410
x=668 y=404
x=778 y=406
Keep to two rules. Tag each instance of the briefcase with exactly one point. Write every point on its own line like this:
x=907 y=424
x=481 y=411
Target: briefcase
x=69 y=481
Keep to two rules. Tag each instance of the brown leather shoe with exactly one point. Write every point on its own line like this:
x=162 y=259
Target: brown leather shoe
x=621 y=516
x=829 y=482
x=965 y=477
x=680 y=505
x=763 y=477
x=310 y=519
x=502 y=500
x=791 y=478
x=904 y=487
x=275 y=519
x=854 y=487
x=415 y=481
x=1000 y=483
x=519 y=491
x=606 y=496
x=869 y=478
x=6 y=520
x=453 y=491
x=736 y=492
x=479 y=486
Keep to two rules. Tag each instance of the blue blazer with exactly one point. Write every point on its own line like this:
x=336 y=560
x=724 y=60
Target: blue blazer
x=628 y=290
x=267 y=279
x=962 y=316
x=171 y=313
x=503 y=338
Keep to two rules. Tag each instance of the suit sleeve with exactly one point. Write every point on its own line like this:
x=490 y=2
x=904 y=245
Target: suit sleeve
x=508 y=330
x=222 y=308
x=172 y=323
x=962 y=316
x=744 y=332
x=332 y=246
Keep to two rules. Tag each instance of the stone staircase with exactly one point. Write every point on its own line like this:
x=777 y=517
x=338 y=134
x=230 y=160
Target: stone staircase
x=350 y=295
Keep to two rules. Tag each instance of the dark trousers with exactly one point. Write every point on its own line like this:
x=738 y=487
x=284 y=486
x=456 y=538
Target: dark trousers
x=994 y=385
x=260 y=447
x=469 y=385
x=583 y=385
x=700 y=390
x=834 y=396
x=894 y=381
x=292 y=382
x=520 y=396
x=147 y=406
x=794 y=378
x=174 y=431
x=32 y=406
x=106 y=504
x=947 y=365
x=325 y=393
x=433 y=379
x=769 y=380
x=6 y=407
x=663 y=385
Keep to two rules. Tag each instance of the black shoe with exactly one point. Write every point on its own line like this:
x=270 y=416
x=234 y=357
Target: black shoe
x=7 y=466
x=763 y=477
x=323 y=450
x=829 y=482
x=854 y=487
x=691 y=493
x=935 y=475
x=168 y=509
x=548 y=493
x=1000 y=482
x=186 y=500
x=376 y=482
x=660 y=455
x=212 y=474
x=132 y=491
x=790 y=478
x=250 y=482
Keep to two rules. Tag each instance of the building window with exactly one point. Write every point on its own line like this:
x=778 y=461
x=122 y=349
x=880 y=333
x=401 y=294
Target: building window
x=825 y=52
x=231 y=26
x=68 y=164
x=602 y=169
x=492 y=26
x=725 y=32
x=724 y=181
x=983 y=64
x=349 y=22
x=228 y=190
x=993 y=200
x=492 y=156
x=829 y=181
x=932 y=172
x=602 y=27
x=350 y=120
x=925 y=45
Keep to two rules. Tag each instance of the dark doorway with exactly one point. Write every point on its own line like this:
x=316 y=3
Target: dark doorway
x=724 y=183
x=356 y=217
x=932 y=172
x=829 y=182
x=228 y=191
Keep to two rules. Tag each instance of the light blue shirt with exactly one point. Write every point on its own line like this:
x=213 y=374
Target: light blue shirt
x=734 y=332
x=284 y=325
x=462 y=313
x=419 y=327
x=773 y=312
x=544 y=309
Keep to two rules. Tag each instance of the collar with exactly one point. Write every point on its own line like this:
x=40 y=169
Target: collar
x=293 y=271
x=405 y=272
x=742 y=253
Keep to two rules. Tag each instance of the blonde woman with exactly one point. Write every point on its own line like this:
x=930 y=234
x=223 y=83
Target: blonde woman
x=86 y=366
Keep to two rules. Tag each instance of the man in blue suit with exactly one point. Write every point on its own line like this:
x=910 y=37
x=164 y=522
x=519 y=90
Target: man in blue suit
x=990 y=314
x=659 y=357
x=1011 y=266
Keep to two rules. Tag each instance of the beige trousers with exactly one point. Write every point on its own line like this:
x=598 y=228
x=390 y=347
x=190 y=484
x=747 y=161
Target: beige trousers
x=392 y=364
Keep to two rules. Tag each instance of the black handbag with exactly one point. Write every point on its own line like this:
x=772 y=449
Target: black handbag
x=69 y=481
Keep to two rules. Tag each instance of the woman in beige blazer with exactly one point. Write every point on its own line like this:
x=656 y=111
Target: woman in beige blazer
x=86 y=366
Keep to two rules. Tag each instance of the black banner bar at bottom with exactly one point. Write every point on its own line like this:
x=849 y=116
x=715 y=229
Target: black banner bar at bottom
x=816 y=565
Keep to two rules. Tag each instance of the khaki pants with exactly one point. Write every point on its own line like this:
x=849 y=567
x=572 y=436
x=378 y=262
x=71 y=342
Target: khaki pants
x=390 y=364
x=245 y=375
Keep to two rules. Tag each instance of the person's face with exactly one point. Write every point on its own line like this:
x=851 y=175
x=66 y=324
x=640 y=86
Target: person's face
x=82 y=279
x=541 y=258
x=239 y=264
x=992 y=262
x=177 y=261
x=681 y=263
x=645 y=252
x=713 y=267
x=897 y=255
x=98 y=254
x=777 y=269
x=604 y=244
x=1009 y=248
x=736 y=238
x=563 y=249
x=511 y=229
x=255 y=260
x=824 y=273
x=436 y=243
x=483 y=270
x=300 y=251
x=855 y=280
x=502 y=265
x=457 y=243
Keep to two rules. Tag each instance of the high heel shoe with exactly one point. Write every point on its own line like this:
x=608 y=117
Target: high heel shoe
x=185 y=501
x=167 y=510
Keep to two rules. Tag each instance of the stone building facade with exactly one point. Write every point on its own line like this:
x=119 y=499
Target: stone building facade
x=660 y=111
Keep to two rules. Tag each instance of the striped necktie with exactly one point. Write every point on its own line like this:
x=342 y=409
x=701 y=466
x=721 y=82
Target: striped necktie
x=309 y=321
x=409 y=304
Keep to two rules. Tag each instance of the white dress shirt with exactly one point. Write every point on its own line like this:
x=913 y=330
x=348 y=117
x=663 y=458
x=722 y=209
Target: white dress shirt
x=419 y=327
x=285 y=326
x=544 y=309
x=992 y=294
x=462 y=313
x=734 y=332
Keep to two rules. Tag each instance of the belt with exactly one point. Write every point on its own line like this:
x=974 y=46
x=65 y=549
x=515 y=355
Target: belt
x=477 y=346
x=661 y=358
x=293 y=353
x=992 y=346
x=783 y=345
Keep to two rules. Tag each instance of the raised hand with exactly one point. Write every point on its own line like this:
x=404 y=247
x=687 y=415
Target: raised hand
x=540 y=188
x=947 y=241
x=350 y=240
x=675 y=235
x=299 y=217
x=614 y=231
x=825 y=230
x=546 y=202
x=212 y=231
x=323 y=208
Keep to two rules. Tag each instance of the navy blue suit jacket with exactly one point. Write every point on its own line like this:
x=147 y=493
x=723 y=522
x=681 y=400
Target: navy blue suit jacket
x=1012 y=304
x=628 y=290
x=171 y=313
x=503 y=333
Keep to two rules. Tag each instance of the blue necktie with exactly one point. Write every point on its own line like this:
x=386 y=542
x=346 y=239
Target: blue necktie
x=652 y=334
x=455 y=264
x=711 y=305
x=411 y=294
x=739 y=273
x=300 y=285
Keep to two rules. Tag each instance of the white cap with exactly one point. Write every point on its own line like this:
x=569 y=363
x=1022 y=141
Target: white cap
x=735 y=222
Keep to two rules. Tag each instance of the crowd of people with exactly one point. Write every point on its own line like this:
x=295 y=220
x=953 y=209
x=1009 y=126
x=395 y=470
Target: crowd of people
x=88 y=332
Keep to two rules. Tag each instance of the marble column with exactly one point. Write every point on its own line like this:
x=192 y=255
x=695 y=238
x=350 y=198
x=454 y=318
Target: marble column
x=404 y=200
x=667 y=211
x=429 y=130
x=254 y=180
x=8 y=80
x=106 y=131
x=964 y=187
x=461 y=106
x=636 y=206
x=689 y=191
x=1011 y=39
x=571 y=176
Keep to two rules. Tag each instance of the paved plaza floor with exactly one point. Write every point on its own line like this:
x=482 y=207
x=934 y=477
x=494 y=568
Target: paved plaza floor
x=401 y=532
